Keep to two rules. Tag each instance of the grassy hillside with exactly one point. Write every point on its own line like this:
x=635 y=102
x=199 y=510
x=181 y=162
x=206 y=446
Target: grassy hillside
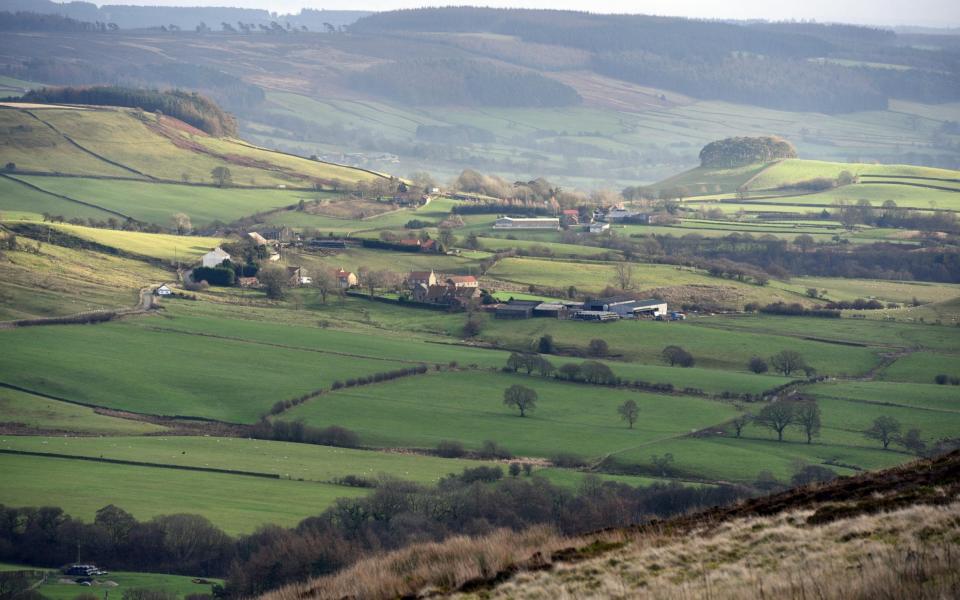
x=132 y=144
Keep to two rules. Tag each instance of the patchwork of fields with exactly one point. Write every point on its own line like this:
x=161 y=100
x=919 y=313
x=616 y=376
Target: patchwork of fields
x=166 y=402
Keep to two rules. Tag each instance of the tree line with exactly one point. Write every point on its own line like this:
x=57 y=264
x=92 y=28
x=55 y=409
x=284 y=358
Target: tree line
x=31 y=21
x=395 y=514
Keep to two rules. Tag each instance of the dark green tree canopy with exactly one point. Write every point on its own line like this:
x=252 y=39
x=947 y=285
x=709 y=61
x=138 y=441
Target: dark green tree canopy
x=740 y=151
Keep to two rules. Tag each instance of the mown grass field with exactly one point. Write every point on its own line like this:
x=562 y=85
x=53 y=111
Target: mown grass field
x=237 y=504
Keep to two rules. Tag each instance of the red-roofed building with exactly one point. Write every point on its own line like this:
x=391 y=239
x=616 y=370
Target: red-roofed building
x=345 y=279
x=571 y=216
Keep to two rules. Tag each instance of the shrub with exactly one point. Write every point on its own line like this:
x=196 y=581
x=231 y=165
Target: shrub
x=598 y=348
x=482 y=474
x=491 y=450
x=567 y=460
x=356 y=481
x=758 y=365
x=813 y=474
x=514 y=469
x=941 y=379
x=450 y=449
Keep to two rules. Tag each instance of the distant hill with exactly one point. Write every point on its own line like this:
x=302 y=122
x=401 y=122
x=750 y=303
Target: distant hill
x=185 y=17
x=775 y=65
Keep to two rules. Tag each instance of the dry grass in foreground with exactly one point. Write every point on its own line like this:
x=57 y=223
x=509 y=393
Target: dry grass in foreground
x=430 y=568
x=886 y=535
x=910 y=553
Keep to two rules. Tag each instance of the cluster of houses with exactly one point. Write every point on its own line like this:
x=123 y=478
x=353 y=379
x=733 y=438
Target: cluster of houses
x=598 y=222
x=601 y=309
x=456 y=291
x=296 y=275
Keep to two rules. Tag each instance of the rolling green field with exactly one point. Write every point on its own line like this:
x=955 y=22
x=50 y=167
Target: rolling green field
x=469 y=407
x=135 y=368
x=235 y=503
x=922 y=367
x=37 y=412
x=300 y=462
x=158 y=202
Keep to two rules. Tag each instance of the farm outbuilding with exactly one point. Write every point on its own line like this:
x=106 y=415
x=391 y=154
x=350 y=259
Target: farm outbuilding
x=515 y=310
x=627 y=307
x=527 y=223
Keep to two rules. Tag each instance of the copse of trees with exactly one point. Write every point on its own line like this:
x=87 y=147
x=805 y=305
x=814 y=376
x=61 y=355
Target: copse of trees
x=189 y=107
x=741 y=151
x=787 y=362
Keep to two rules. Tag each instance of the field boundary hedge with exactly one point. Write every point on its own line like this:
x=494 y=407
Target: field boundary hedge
x=119 y=461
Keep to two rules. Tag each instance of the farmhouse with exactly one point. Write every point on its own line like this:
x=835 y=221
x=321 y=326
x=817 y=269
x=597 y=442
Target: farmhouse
x=444 y=295
x=163 y=290
x=527 y=223
x=345 y=279
x=214 y=258
x=427 y=278
x=422 y=245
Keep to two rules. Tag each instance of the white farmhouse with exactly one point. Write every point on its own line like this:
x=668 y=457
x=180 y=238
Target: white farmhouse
x=214 y=257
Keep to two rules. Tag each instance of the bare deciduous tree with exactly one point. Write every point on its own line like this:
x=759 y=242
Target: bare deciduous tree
x=623 y=275
x=629 y=411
